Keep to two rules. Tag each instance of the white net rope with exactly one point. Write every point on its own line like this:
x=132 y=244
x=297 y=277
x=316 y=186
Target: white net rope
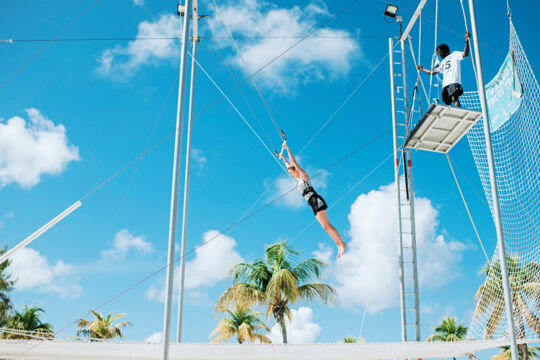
x=57 y=350
x=514 y=109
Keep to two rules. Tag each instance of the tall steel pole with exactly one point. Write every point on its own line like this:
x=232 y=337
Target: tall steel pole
x=494 y=190
x=186 y=174
x=174 y=191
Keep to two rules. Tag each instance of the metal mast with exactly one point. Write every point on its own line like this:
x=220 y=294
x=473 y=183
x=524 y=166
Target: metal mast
x=494 y=190
x=195 y=41
x=406 y=233
x=174 y=191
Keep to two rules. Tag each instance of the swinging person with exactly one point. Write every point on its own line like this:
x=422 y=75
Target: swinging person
x=450 y=67
x=317 y=203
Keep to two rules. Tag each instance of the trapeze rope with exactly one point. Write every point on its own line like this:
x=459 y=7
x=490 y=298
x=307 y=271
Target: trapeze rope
x=276 y=125
x=467 y=208
x=238 y=112
x=244 y=96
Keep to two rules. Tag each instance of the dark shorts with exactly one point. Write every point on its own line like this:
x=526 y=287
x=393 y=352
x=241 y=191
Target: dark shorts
x=449 y=91
x=317 y=203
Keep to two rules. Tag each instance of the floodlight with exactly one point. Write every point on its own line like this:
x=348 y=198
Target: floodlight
x=391 y=11
x=180 y=10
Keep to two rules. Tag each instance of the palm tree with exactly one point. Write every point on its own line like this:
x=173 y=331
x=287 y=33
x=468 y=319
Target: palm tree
x=243 y=323
x=349 y=339
x=6 y=286
x=102 y=327
x=532 y=353
x=28 y=321
x=276 y=281
x=524 y=282
x=449 y=331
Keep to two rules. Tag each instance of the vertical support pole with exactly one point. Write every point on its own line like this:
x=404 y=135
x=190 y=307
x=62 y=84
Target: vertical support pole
x=396 y=179
x=494 y=190
x=174 y=191
x=187 y=174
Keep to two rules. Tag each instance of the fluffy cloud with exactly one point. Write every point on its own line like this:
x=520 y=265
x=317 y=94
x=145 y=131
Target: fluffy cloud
x=300 y=330
x=210 y=265
x=294 y=199
x=31 y=270
x=368 y=272
x=124 y=241
x=329 y=56
x=324 y=253
x=124 y=61
x=138 y=2
x=6 y=216
x=156 y=337
x=198 y=159
x=31 y=149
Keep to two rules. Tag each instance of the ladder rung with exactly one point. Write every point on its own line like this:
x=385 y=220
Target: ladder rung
x=397 y=63
x=408 y=293
x=410 y=309
x=398 y=75
x=415 y=324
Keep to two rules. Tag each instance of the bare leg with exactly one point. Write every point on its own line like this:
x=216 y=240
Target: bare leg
x=456 y=101
x=322 y=217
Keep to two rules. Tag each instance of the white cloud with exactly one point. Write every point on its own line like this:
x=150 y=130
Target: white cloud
x=124 y=241
x=300 y=330
x=31 y=149
x=368 y=272
x=31 y=270
x=138 y=2
x=6 y=216
x=198 y=159
x=211 y=264
x=293 y=198
x=324 y=253
x=124 y=61
x=329 y=56
x=156 y=337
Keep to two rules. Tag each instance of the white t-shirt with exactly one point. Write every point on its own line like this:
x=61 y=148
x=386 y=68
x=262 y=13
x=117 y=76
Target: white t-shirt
x=450 y=67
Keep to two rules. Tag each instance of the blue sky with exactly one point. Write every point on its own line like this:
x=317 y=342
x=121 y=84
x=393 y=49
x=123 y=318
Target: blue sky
x=90 y=107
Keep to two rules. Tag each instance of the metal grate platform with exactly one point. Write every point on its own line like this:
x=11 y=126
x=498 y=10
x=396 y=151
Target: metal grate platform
x=441 y=128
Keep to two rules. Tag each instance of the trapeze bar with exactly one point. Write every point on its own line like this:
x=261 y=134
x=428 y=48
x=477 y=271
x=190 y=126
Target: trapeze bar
x=441 y=128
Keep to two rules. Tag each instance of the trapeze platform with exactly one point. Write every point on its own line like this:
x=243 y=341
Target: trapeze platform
x=441 y=128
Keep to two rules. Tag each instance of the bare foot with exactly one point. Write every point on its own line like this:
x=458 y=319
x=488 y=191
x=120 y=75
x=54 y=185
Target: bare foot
x=341 y=249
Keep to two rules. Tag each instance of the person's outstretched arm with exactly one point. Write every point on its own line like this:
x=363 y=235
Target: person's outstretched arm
x=293 y=161
x=467 y=41
x=430 y=72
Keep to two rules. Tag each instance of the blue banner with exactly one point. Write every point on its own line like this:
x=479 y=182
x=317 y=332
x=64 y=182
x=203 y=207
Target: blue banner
x=504 y=94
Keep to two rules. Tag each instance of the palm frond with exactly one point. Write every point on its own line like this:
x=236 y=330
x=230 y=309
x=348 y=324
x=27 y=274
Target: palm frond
x=283 y=282
x=316 y=291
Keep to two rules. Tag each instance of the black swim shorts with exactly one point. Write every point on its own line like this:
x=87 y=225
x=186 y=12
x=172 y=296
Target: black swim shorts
x=317 y=203
x=451 y=90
